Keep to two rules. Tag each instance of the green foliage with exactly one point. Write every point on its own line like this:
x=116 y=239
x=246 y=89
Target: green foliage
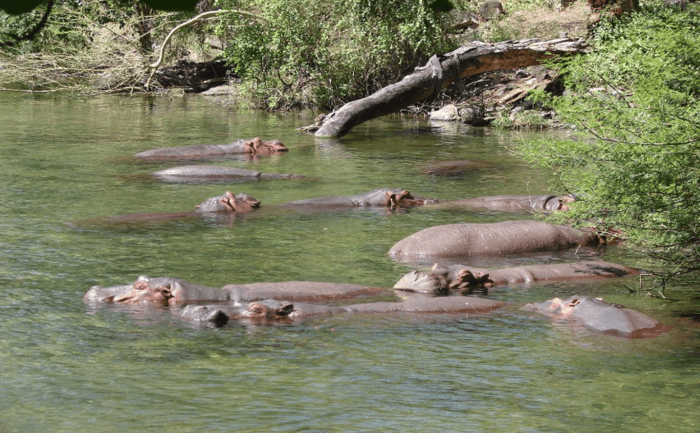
x=322 y=53
x=635 y=163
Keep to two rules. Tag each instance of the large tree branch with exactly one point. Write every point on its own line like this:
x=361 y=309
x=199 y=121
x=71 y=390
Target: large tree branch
x=29 y=36
x=440 y=72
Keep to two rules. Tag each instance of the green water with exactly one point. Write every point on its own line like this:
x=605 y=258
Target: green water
x=69 y=368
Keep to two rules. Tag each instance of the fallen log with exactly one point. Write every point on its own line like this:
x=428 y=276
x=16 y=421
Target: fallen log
x=440 y=72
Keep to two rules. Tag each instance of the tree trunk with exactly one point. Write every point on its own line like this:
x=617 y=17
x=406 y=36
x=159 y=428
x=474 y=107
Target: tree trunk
x=440 y=72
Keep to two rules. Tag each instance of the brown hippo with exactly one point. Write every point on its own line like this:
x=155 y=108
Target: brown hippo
x=514 y=203
x=599 y=316
x=452 y=168
x=504 y=238
x=215 y=173
x=382 y=197
x=170 y=291
x=442 y=279
x=240 y=147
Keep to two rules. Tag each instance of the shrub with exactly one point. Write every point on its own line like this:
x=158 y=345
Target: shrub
x=324 y=53
x=635 y=164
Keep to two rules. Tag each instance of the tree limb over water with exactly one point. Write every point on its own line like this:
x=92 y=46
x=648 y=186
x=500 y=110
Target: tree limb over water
x=440 y=71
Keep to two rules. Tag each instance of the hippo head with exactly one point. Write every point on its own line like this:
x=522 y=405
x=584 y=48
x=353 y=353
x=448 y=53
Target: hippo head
x=258 y=147
x=423 y=282
x=600 y=316
x=269 y=309
x=143 y=292
x=229 y=203
x=205 y=314
x=441 y=280
x=405 y=199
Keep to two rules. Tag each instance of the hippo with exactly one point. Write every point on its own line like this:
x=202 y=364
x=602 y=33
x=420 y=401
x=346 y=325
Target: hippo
x=452 y=168
x=220 y=314
x=252 y=147
x=172 y=291
x=215 y=173
x=600 y=316
x=224 y=207
x=229 y=203
x=504 y=238
x=425 y=304
x=160 y=291
x=442 y=279
x=514 y=203
x=382 y=197
x=270 y=309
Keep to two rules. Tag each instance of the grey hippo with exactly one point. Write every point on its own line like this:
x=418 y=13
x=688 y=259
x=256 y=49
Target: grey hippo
x=381 y=197
x=251 y=147
x=442 y=279
x=596 y=315
x=504 y=238
x=513 y=203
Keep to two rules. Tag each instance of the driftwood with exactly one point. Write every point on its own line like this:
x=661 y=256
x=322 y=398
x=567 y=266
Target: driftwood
x=440 y=72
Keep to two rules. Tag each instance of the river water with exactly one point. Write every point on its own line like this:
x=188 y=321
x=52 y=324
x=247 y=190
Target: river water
x=67 y=367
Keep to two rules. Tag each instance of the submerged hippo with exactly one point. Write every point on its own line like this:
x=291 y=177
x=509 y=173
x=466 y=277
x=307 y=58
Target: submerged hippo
x=599 y=316
x=452 y=168
x=213 y=173
x=170 y=291
x=442 y=279
x=224 y=207
x=504 y=238
x=220 y=314
x=514 y=203
x=229 y=203
x=382 y=197
x=240 y=147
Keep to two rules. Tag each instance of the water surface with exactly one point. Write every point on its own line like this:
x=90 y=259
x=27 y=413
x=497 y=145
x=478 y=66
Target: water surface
x=68 y=367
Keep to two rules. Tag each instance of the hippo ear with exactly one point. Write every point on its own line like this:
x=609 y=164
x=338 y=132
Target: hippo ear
x=165 y=290
x=140 y=285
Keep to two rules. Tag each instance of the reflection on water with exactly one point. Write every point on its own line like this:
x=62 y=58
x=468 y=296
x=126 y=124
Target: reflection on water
x=67 y=367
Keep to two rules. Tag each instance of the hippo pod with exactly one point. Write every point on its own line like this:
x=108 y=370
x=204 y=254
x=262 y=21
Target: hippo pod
x=600 y=316
x=170 y=291
x=515 y=203
x=240 y=147
x=442 y=279
x=209 y=173
x=382 y=197
x=504 y=238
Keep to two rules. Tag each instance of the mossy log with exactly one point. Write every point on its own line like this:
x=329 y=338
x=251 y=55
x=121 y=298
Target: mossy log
x=440 y=72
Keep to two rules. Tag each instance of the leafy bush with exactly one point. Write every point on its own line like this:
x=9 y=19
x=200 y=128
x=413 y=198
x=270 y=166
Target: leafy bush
x=634 y=165
x=323 y=53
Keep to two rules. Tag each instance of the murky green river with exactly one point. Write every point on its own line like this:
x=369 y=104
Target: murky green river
x=66 y=367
